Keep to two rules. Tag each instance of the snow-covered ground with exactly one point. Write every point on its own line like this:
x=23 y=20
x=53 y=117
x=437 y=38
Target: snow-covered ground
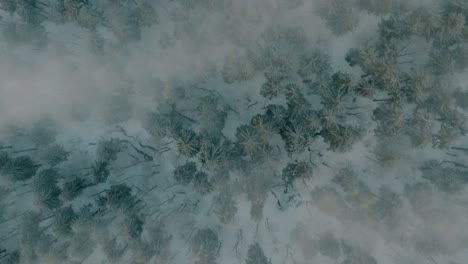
x=115 y=120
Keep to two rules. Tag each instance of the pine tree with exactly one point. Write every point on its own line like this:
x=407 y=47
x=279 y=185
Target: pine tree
x=341 y=138
x=55 y=154
x=118 y=197
x=296 y=135
x=205 y=244
x=185 y=173
x=447 y=179
x=365 y=88
x=277 y=114
x=187 y=142
x=63 y=221
x=248 y=138
x=134 y=226
x=100 y=171
x=107 y=150
x=225 y=207
x=255 y=255
x=201 y=183
x=73 y=188
x=339 y=16
x=21 y=168
x=442 y=61
x=294 y=171
x=316 y=63
x=264 y=127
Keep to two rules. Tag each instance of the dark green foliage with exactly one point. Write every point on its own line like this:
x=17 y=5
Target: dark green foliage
x=296 y=135
x=185 y=174
x=416 y=86
x=392 y=28
x=63 y=221
x=341 y=138
x=447 y=179
x=296 y=101
x=12 y=258
x=100 y=171
x=85 y=217
x=107 y=150
x=442 y=61
x=454 y=119
x=255 y=255
x=390 y=120
x=277 y=114
x=47 y=199
x=212 y=113
x=45 y=178
x=266 y=155
x=20 y=168
x=205 y=245
x=73 y=188
x=187 y=142
x=389 y=51
x=264 y=127
x=46 y=191
x=55 y=154
x=118 y=197
x=419 y=129
x=248 y=138
x=339 y=16
x=335 y=100
x=445 y=136
x=214 y=153
x=4 y=159
x=201 y=183
x=293 y=171
x=317 y=63
x=429 y=19
x=271 y=88
x=365 y=88
x=341 y=83
x=134 y=226
x=9 y=6
x=452 y=29
x=158 y=125
x=357 y=57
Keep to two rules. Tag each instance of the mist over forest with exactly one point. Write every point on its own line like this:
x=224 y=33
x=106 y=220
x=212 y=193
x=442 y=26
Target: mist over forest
x=233 y=131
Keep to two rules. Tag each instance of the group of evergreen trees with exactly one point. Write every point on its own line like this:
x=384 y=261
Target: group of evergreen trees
x=305 y=109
